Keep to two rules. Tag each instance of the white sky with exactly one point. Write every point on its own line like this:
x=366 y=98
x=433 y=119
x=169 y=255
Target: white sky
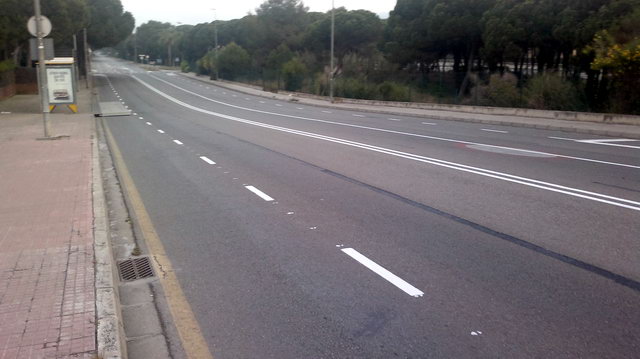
x=198 y=11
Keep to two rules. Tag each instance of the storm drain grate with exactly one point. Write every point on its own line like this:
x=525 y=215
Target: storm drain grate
x=135 y=268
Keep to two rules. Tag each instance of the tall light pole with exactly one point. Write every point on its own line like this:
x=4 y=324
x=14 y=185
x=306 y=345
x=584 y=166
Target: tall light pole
x=333 y=25
x=215 y=30
x=44 y=89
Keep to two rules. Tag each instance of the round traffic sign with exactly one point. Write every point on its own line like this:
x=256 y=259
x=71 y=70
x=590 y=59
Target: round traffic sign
x=45 y=26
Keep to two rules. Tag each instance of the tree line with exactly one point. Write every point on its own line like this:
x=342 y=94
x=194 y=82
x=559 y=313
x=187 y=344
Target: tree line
x=550 y=54
x=106 y=22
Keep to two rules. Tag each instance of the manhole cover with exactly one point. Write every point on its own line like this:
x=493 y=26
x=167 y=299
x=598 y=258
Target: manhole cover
x=135 y=268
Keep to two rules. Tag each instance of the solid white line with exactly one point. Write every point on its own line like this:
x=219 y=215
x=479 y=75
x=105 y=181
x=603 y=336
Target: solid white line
x=575 y=192
x=207 y=160
x=381 y=271
x=394 y=119
x=489 y=130
x=398 y=132
x=605 y=142
x=259 y=193
x=160 y=131
x=561 y=138
x=608 y=140
x=149 y=123
x=356 y=115
x=429 y=123
x=178 y=142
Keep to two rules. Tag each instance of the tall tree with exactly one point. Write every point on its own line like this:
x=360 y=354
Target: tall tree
x=109 y=23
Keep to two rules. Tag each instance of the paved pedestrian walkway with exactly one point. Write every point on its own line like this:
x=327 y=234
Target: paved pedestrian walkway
x=47 y=295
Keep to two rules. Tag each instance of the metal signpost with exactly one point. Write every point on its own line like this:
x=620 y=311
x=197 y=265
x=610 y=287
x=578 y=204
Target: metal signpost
x=39 y=26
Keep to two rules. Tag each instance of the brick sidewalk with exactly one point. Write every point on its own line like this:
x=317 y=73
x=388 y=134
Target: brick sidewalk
x=47 y=296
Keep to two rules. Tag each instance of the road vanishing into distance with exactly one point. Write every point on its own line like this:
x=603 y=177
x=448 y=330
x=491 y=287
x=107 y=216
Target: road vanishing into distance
x=310 y=232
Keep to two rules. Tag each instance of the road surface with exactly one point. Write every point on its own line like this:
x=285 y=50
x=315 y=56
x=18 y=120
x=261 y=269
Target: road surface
x=309 y=232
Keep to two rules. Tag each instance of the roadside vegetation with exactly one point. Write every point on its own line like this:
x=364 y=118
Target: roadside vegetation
x=557 y=55
x=106 y=22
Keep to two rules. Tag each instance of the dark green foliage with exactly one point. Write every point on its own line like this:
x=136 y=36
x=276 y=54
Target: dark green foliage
x=108 y=23
x=233 y=62
x=294 y=73
x=550 y=92
x=502 y=91
x=392 y=91
x=7 y=65
x=426 y=50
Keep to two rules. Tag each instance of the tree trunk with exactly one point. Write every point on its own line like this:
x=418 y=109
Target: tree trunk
x=465 y=82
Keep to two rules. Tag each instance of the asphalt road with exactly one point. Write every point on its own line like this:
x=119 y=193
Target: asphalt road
x=321 y=233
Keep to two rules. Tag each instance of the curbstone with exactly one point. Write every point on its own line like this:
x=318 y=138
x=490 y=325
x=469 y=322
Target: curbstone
x=110 y=330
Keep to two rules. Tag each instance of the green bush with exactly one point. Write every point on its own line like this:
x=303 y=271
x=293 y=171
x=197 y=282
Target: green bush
x=294 y=72
x=550 y=92
x=233 y=62
x=392 y=91
x=7 y=65
x=184 y=66
x=502 y=91
x=354 y=88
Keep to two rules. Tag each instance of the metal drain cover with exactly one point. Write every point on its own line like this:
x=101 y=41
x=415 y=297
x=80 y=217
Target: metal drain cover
x=135 y=268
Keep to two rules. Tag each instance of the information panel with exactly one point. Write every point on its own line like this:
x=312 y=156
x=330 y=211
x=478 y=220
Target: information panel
x=60 y=83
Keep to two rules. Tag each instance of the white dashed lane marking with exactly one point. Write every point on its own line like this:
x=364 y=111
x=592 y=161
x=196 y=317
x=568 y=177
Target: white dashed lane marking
x=490 y=130
x=207 y=160
x=160 y=131
x=381 y=271
x=177 y=142
x=259 y=193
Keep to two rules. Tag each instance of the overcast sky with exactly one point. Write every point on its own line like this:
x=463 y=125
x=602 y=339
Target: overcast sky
x=197 y=11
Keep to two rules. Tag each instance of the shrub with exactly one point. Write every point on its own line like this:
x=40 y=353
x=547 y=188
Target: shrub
x=354 y=88
x=294 y=72
x=550 y=92
x=392 y=91
x=184 y=66
x=7 y=65
x=502 y=91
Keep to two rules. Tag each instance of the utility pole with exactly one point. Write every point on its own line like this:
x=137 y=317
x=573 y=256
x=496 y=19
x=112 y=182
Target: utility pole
x=333 y=24
x=75 y=56
x=44 y=89
x=135 y=47
x=215 y=29
x=87 y=67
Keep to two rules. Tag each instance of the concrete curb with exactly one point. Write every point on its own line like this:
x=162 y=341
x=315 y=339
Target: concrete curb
x=301 y=99
x=110 y=330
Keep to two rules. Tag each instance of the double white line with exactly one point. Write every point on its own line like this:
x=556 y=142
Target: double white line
x=575 y=192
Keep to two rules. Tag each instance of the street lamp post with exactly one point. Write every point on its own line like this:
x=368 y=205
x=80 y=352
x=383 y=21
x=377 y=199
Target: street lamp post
x=333 y=22
x=215 y=30
x=44 y=90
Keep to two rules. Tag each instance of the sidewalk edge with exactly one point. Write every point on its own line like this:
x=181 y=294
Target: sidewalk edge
x=110 y=329
x=373 y=109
